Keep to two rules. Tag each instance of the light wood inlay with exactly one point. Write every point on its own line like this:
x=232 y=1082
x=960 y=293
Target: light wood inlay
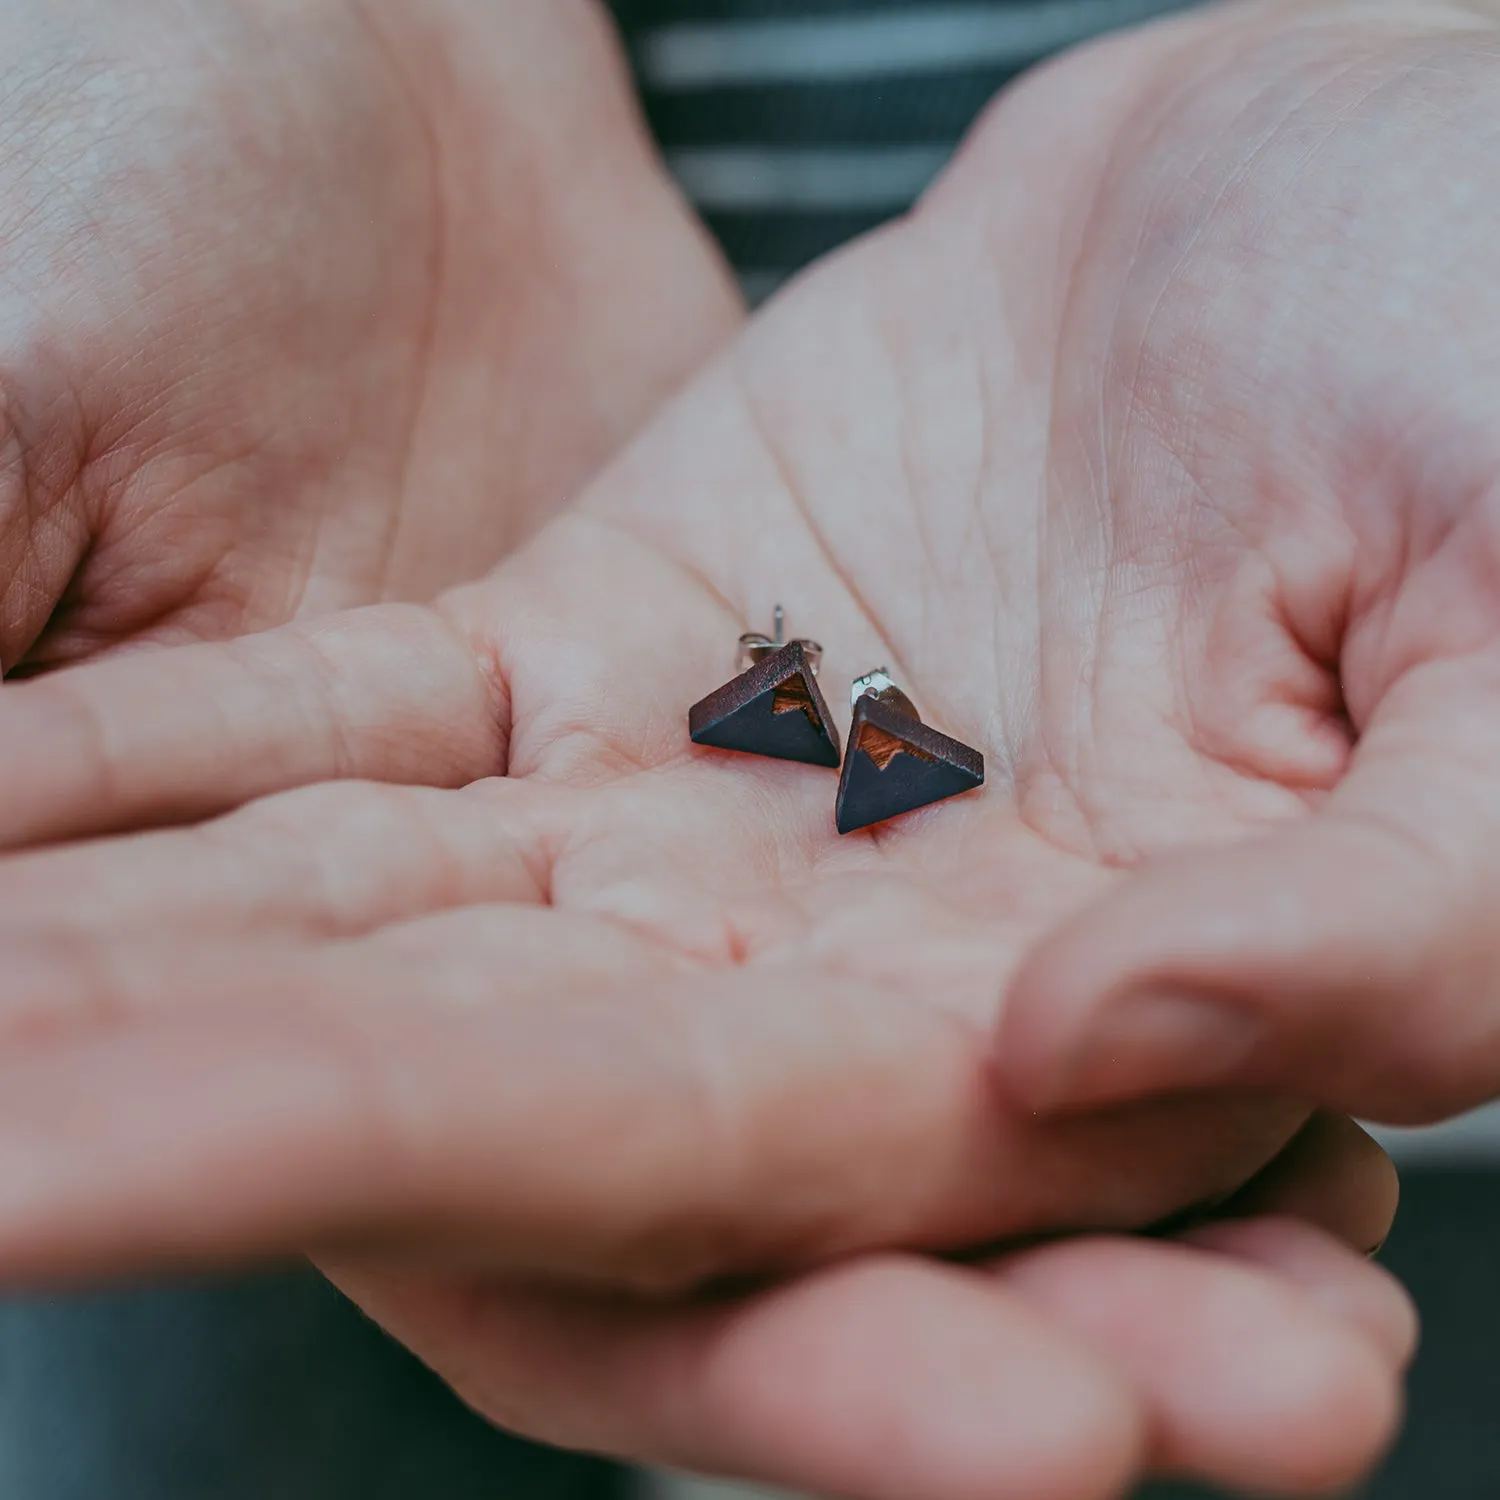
x=793 y=694
x=883 y=748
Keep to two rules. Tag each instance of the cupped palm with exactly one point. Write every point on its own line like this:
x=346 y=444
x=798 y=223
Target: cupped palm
x=304 y=306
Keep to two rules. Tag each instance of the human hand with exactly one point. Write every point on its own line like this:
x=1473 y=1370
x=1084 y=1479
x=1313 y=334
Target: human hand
x=305 y=305
x=1343 y=515
x=1255 y=1352
x=954 y=351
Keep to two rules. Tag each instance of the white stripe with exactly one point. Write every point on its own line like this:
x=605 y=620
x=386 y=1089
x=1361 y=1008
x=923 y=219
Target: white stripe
x=1472 y=1140
x=701 y=54
x=856 y=178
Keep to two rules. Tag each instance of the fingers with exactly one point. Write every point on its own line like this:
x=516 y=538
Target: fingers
x=230 y=1102
x=1345 y=1284
x=437 y=1090
x=333 y=860
x=1270 y=1361
x=1352 y=958
x=387 y=694
x=877 y=1380
x=530 y=1089
x=1285 y=1383
x=527 y=1090
x=1333 y=1176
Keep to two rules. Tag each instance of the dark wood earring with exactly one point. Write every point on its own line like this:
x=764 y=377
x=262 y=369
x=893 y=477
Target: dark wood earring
x=774 y=708
x=895 y=763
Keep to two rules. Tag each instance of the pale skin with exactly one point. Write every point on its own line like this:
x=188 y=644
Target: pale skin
x=1348 y=955
x=1082 y=451
x=293 y=313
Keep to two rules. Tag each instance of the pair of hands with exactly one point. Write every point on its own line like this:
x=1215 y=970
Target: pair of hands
x=1136 y=483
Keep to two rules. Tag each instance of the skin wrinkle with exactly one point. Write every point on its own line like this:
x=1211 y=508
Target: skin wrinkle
x=995 y=735
x=16 y=496
x=343 y=756
x=1476 y=761
x=62 y=90
x=1066 y=768
x=1249 y=766
x=1042 y=741
x=1483 y=556
x=1267 y=138
x=101 y=774
x=803 y=508
x=539 y=852
x=618 y=521
x=483 y=652
x=439 y=215
x=309 y=886
x=884 y=336
x=114 y=522
x=618 y=524
x=1238 y=760
x=1401 y=567
x=1005 y=734
x=1199 y=229
x=298 y=574
x=451 y=881
x=1478 y=508
x=1023 y=782
x=615 y=761
x=999 y=735
x=100 y=242
x=42 y=512
x=1384 y=593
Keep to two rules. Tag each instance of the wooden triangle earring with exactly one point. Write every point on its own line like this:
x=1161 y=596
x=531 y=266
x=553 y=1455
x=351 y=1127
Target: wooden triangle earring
x=773 y=707
x=895 y=763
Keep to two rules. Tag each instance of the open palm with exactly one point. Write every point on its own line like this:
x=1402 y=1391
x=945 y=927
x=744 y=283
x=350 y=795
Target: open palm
x=311 y=305
x=646 y=987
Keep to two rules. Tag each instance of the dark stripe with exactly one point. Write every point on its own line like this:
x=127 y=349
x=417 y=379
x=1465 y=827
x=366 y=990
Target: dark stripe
x=833 y=114
x=786 y=239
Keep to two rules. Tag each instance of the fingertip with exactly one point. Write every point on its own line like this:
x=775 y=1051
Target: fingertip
x=1346 y=1285
x=1131 y=997
x=1334 y=1176
x=1057 y=1047
x=895 y=1377
x=1045 y=1005
x=1247 y=1381
x=386 y=693
x=1342 y=1403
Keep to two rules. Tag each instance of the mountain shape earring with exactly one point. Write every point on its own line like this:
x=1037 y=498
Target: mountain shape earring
x=895 y=763
x=772 y=709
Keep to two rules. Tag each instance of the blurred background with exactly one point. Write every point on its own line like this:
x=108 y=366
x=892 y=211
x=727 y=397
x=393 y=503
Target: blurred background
x=793 y=125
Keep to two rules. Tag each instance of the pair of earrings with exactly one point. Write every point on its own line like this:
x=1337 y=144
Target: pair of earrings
x=894 y=762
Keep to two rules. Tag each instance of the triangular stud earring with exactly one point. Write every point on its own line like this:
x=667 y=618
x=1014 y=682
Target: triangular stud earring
x=895 y=763
x=774 y=708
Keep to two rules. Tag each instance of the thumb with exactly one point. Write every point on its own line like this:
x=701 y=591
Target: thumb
x=1352 y=957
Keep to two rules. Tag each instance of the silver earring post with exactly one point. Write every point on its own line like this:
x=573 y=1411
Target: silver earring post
x=880 y=686
x=756 y=646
